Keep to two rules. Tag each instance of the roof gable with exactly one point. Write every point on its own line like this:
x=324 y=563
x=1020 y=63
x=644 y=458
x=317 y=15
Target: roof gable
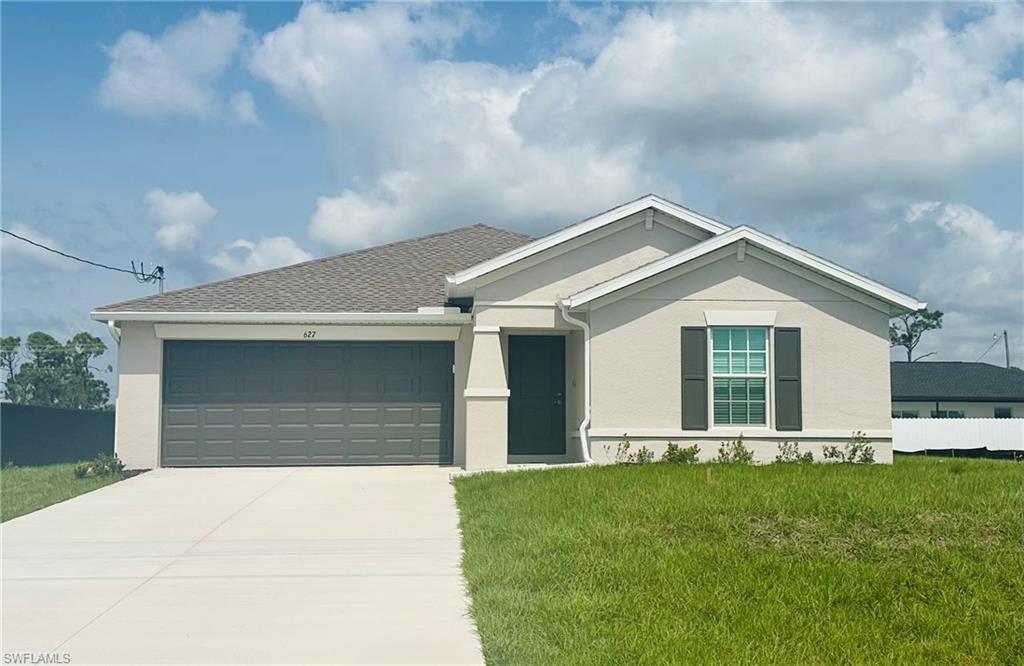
x=397 y=277
x=956 y=380
x=650 y=201
x=742 y=236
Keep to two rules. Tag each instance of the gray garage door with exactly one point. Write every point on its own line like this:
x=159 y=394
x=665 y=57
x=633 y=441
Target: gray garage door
x=306 y=403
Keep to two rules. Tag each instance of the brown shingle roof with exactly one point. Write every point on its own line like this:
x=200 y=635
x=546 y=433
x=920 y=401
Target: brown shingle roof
x=398 y=277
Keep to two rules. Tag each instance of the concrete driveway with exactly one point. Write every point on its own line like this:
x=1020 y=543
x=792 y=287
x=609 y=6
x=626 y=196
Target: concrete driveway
x=264 y=565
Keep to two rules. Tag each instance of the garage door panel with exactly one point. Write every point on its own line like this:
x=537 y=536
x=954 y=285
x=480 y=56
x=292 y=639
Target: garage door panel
x=399 y=384
x=291 y=385
x=401 y=416
x=256 y=417
x=430 y=415
x=434 y=385
x=242 y=403
x=186 y=352
x=363 y=385
x=182 y=416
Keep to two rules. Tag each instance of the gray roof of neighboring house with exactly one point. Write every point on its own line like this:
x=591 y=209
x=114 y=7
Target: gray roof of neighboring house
x=956 y=380
x=398 y=277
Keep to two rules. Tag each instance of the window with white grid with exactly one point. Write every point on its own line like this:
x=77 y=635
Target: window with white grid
x=739 y=372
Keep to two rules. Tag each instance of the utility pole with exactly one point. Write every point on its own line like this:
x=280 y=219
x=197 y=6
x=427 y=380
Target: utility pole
x=1006 y=347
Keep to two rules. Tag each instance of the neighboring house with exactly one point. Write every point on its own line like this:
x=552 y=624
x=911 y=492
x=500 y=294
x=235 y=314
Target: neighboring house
x=480 y=347
x=955 y=389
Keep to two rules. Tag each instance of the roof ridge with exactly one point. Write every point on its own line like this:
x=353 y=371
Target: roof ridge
x=316 y=260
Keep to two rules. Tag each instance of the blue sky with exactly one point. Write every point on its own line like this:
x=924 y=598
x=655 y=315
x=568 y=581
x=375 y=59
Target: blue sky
x=217 y=139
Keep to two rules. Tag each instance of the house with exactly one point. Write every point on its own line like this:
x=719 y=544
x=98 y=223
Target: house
x=481 y=348
x=956 y=389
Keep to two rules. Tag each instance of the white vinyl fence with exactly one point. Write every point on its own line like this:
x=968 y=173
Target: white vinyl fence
x=910 y=435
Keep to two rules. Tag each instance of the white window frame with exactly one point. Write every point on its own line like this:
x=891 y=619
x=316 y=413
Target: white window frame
x=769 y=400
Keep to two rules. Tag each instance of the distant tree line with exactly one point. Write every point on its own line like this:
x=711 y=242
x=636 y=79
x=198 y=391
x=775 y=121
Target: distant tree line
x=44 y=371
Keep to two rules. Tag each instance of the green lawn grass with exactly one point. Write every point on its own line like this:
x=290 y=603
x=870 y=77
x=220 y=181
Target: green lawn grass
x=918 y=562
x=27 y=489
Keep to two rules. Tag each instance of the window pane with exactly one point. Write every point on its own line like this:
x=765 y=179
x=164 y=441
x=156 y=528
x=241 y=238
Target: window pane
x=721 y=362
x=758 y=338
x=721 y=389
x=738 y=389
x=739 y=413
x=739 y=363
x=739 y=338
x=720 y=338
x=721 y=413
x=757 y=362
x=756 y=389
x=757 y=413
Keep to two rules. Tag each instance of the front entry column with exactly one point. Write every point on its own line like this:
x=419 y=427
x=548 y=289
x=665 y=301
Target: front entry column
x=486 y=397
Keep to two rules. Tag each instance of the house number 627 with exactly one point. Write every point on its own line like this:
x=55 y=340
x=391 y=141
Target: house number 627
x=309 y=334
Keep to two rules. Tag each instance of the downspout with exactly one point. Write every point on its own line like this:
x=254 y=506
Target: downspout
x=115 y=332
x=585 y=423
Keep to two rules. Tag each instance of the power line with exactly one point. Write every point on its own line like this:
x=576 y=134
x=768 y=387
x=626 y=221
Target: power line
x=156 y=275
x=989 y=348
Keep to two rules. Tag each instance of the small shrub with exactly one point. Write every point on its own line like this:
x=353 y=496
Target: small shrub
x=857 y=451
x=622 y=450
x=676 y=454
x=735 y=452
x=642 y=456
x=108 y=464
x=105 y=464
x=789 y=452
x=625 y=456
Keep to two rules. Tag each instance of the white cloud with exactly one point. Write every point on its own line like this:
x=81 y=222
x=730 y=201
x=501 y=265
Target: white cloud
x=794 y=108
x=16 y=247
x=180 y=216
x=827 y=123
x=431 y=138
x=243 y=108
x=950 y=255
x=243 y=256
x=775 y=108
x=173 y=73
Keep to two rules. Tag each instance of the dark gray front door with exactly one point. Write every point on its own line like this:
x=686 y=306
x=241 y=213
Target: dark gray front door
x=536 y=403
x=306 y=403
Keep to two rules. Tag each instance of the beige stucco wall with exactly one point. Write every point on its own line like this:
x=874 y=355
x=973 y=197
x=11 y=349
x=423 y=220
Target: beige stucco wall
x=522 y=300
x=558 y=272
x=636 y=352
x=971 y=410
x=137 y=425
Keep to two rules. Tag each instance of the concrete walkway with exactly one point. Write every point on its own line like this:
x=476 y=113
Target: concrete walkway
x=266 y=565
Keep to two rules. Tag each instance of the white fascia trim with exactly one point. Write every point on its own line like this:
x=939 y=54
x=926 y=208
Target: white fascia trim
x=763 y=241
x=289 y=317
x=586 y=226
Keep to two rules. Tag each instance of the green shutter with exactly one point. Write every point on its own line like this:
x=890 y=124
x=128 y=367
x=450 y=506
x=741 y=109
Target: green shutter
x=788 y=411
x=695 y=378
